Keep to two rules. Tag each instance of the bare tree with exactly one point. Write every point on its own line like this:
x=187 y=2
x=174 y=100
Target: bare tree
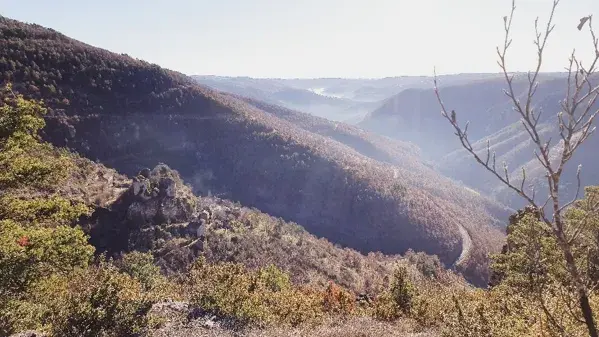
x=575 y=125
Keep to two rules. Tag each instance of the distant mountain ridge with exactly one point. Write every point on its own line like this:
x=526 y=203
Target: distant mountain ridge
x=414 y=115
x=337 y=99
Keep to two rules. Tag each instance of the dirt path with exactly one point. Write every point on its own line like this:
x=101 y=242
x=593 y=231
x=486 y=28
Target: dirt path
x=466 y=239
x=466 y=246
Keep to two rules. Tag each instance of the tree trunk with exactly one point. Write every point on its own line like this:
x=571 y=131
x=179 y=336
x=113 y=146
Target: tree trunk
x=585 y=305
x=583 y=297
x=587 y=312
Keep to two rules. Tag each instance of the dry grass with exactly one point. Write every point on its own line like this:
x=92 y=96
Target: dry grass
x=94 y=184
x=354 y=327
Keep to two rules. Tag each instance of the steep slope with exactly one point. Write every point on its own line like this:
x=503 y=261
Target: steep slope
x=405 y=156
x=406 y=160
x=130 y=114
x=164 y=222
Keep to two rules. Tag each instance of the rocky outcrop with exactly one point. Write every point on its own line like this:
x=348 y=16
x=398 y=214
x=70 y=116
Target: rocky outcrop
x=156 y=213
x=156 y=206
x=156 y=200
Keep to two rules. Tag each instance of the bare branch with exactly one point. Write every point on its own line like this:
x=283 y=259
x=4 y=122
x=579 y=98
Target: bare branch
x=523 y=178
x=578 y=186
x=468 y=146
x=575 y=125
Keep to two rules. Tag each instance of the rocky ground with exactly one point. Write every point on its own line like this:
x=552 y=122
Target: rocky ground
x=180 y=320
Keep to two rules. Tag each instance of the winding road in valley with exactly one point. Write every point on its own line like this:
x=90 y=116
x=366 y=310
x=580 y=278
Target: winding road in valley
x=466 y=239
x=466 y=246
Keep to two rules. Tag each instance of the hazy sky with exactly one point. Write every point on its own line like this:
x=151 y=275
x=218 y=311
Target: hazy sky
x=314 y=38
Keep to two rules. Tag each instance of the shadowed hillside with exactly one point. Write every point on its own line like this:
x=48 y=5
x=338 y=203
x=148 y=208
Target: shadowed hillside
x=130 y=114
x=405 y=156
x=237 y=233
x=60 y=214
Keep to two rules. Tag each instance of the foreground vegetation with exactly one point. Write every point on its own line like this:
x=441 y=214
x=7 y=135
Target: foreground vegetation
x=55 y=281
x=66 y=271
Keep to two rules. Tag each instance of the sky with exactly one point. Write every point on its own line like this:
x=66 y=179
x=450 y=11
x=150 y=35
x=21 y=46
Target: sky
x=316 y=38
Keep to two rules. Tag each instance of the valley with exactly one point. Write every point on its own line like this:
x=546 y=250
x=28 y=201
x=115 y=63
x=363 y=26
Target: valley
x=413 y=116
x=336 y=99
x=136 y=200
x=263 y=156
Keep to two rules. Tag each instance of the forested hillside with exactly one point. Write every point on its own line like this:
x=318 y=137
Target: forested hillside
x=61 y=214
x=130 y=114
x=85 y=251
x=414 y=115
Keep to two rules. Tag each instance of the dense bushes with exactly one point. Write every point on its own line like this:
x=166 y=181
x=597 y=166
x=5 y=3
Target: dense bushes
x=28 y=254
x=96 y=301
x=47 y=281
x=42 y=211
x=397 y=300
x=261 y=297
x=24 y=160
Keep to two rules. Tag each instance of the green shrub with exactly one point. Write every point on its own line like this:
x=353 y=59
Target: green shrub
x=18 y=115
x=25 y=161
x=497 y=313
x=228 y=290
x=385 y=308
x=274 y=278
x=402 y=290
x=30 y=253
x=397 y=301
x=31 y=165
x=96 y=301
x=141 y=267
x=47 y=211
x=102 y=302
x=251 y=297
x=428 y=265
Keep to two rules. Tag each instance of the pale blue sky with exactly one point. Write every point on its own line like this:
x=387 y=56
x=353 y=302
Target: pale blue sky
x=313 y=38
